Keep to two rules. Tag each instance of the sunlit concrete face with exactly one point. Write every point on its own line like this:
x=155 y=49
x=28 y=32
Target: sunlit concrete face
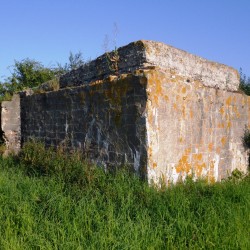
x=193 y=130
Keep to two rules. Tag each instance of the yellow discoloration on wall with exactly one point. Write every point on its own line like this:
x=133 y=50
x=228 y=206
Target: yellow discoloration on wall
x=184 y=111
x=183 y=90
x=154 y=165
x=183 y=165
x=197 y=157
x=198 y=169
x=191 y=114
x=222 y=111
x=223 y=141
x=211 y=178
x=166 y=98
x=221 y=125
x=235 y=110
x=228 y=101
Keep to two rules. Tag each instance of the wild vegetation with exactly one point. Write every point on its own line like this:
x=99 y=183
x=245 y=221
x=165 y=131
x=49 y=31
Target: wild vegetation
x=30 y=73
x=244 y=83
x=52 y=200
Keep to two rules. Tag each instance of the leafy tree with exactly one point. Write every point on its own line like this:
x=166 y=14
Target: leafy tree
x=29 y=73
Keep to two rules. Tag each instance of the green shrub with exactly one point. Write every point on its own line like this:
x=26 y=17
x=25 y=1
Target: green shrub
x=69 y=166
x=244 y=83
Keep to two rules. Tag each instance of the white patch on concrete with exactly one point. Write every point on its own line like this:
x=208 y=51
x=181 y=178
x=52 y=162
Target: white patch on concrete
x=152 y=177
x=239 y=160
x=216 y=167
x=174 y=176
x=155 y=113
x=66 y=126
x=137 y=157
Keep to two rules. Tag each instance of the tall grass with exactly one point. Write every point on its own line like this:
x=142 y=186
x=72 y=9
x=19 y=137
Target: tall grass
x=50 y=200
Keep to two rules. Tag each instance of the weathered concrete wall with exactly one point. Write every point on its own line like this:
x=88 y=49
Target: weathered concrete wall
x=193 y=130
x=145 y=54
x=103 y=119
x=10 y=124
x=166 y=113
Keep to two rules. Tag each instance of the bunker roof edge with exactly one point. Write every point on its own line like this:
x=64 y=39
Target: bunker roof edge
x=142 y=54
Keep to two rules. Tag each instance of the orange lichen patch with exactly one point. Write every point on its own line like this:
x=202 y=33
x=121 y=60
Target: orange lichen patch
x=222 y=111
x=210 y=176
x=183 y=111
x=229 y=100
x=166 y=98
x=188 y=151
x=154 y=165
x=191 y=114
x=229 y=124
x=150 y=151
x=221 y=125
x=210 y=147
x=158 y=87
x=184 y=90
x=198 y=169
x=223 y=141
x=198 y=164
x=235 y=109
x=197 y=157
x=183 y=164
x=155 y=99
x=175 y=106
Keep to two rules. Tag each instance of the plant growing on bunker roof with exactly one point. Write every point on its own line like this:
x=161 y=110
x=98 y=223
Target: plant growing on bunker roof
x=113 y=56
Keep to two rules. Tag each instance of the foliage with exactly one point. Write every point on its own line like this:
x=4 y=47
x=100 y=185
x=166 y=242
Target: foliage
x=49 y=210
x=30 y=73
x=244 y=83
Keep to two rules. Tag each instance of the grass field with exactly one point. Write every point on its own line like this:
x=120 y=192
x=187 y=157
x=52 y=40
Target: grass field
x=85 y=208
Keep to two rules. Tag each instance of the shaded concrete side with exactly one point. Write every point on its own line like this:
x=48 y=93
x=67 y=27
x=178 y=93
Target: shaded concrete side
x=192 y=129
x=11 y=125
x=105 y=120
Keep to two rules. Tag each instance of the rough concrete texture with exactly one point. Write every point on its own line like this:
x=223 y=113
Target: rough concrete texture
x=145 y=54
x=193 y=130
x=166 y=113
x=104 y=119
x=10 y=124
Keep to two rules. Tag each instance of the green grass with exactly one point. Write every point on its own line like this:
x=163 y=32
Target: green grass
x=85 y=208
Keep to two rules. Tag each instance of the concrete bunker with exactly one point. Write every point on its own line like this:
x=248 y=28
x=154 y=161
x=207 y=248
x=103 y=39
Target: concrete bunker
x=167 y=113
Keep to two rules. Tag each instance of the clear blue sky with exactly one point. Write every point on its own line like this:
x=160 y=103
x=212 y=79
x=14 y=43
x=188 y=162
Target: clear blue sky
x=47 y=30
